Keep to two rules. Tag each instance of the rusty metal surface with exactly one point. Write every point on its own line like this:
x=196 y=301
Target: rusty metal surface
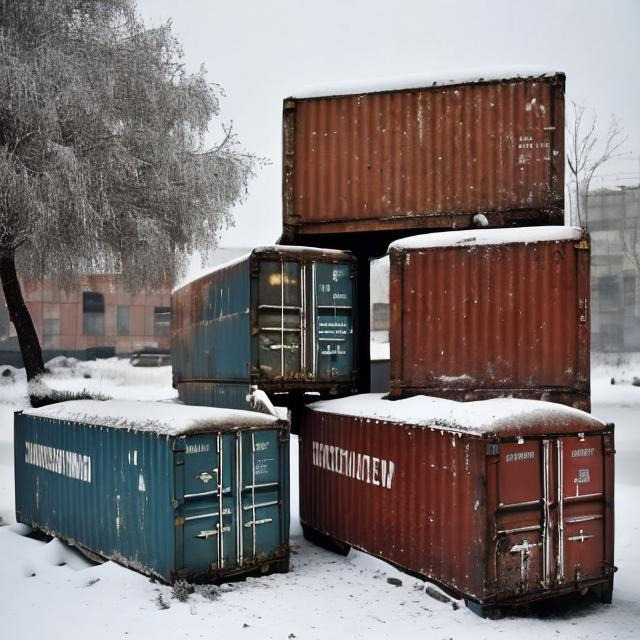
x=478 y=322
x=479 y=515
x=425 y=158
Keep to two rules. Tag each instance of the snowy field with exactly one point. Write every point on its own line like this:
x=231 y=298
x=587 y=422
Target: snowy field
x=49 y=590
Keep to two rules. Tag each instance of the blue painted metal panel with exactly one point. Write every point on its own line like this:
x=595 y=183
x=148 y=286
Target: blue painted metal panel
x=334 y=321
x=99 y=488
x=282 y=319
x=167 y=506
x=214 y=394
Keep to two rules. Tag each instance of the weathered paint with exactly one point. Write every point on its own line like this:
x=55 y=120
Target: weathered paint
x=428 y=157
x=157 y=503
x=484 y=516
x=282 y=319
x=476 y=322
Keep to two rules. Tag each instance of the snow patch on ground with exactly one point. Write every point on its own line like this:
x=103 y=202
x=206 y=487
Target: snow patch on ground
x=48 y=590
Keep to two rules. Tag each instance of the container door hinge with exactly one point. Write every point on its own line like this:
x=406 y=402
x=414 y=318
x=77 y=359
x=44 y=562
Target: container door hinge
x=607 y=442
x=583 y=310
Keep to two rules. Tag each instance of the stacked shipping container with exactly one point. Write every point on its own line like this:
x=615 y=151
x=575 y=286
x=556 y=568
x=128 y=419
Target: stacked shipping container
x=281 y=318
x=430 y=156
x=487 y=313
x=478 y=497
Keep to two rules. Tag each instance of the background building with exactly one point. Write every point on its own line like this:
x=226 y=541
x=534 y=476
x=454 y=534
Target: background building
x=614 y=224
x=98 y=318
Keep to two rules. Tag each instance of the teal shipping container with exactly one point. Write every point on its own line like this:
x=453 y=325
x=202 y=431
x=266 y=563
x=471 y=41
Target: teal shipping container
x=173 y=492
x=281 y=318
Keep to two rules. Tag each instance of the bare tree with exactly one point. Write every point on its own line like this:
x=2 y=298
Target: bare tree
x=586 y=153
x=103 y=164
x=630 y=235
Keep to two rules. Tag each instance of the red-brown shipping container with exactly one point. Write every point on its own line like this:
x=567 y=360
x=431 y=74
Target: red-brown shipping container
x=500 y=501
x=493 y=312
x=427 y=156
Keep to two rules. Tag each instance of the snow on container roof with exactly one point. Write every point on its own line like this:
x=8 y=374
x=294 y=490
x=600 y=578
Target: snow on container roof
x=268 y=249
x=421 y=81
x=499 y=415
x=162 y=418
x=480 y=237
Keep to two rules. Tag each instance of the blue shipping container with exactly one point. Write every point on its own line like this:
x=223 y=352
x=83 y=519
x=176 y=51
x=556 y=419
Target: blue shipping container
x=281 y=318
x=171 y=491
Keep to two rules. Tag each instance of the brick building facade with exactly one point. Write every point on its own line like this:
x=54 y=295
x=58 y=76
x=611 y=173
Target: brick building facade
x=99 y=316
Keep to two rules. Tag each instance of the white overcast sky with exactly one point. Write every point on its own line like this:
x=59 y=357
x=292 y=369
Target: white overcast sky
x=261 y=51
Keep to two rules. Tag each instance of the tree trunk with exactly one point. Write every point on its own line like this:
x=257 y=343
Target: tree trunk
x=20 y=316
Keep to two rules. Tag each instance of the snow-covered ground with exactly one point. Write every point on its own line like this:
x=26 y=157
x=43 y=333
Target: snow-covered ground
x=49 y=590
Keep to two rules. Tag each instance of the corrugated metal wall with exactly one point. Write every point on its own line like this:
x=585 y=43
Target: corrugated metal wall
x=420 y=158
x=500 y=318
x=422 y=521
x=147 y=501
x=211 y=326
x=104 y=507
x=497 y=516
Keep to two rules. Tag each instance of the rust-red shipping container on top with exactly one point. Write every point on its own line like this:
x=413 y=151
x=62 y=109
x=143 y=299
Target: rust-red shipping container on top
x=425 y=154
x=495 y=312
x=501 y=501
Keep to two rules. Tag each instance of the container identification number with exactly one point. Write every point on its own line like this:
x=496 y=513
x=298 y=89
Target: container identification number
x=520 y=455
x=583 y=453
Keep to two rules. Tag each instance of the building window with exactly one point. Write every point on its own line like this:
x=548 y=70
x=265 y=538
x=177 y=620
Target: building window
x=92 y=313
x=629 y=291
x=609 y=293
x=161 y=321
x=122 y=321
x=5 y=328
x=51 y=333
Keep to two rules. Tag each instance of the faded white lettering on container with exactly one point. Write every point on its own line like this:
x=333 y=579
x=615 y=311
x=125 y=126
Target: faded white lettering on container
x=583 y=453
x=262 y=466
x=197 y=448
x=66 y=463
x=359 y=466
x=520 y=455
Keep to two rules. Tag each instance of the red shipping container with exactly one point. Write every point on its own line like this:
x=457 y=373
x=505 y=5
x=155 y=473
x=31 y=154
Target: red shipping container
x=424 y=154
x=500 y=501
x=492 y=312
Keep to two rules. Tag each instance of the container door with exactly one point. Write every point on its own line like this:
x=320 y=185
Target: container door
x=581 y=502
x=333 y=339
x=280 y=320
x=520 y=527
x=550 y=519
x=260 y=496
x=209 y=505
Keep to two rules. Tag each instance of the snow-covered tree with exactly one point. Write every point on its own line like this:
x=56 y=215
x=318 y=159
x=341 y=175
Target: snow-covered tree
x=103 y=164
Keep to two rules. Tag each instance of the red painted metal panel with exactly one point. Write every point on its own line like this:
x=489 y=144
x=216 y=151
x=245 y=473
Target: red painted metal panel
x=399 y=493
x=473 y=322
x=425 y=157
x=478 y=513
